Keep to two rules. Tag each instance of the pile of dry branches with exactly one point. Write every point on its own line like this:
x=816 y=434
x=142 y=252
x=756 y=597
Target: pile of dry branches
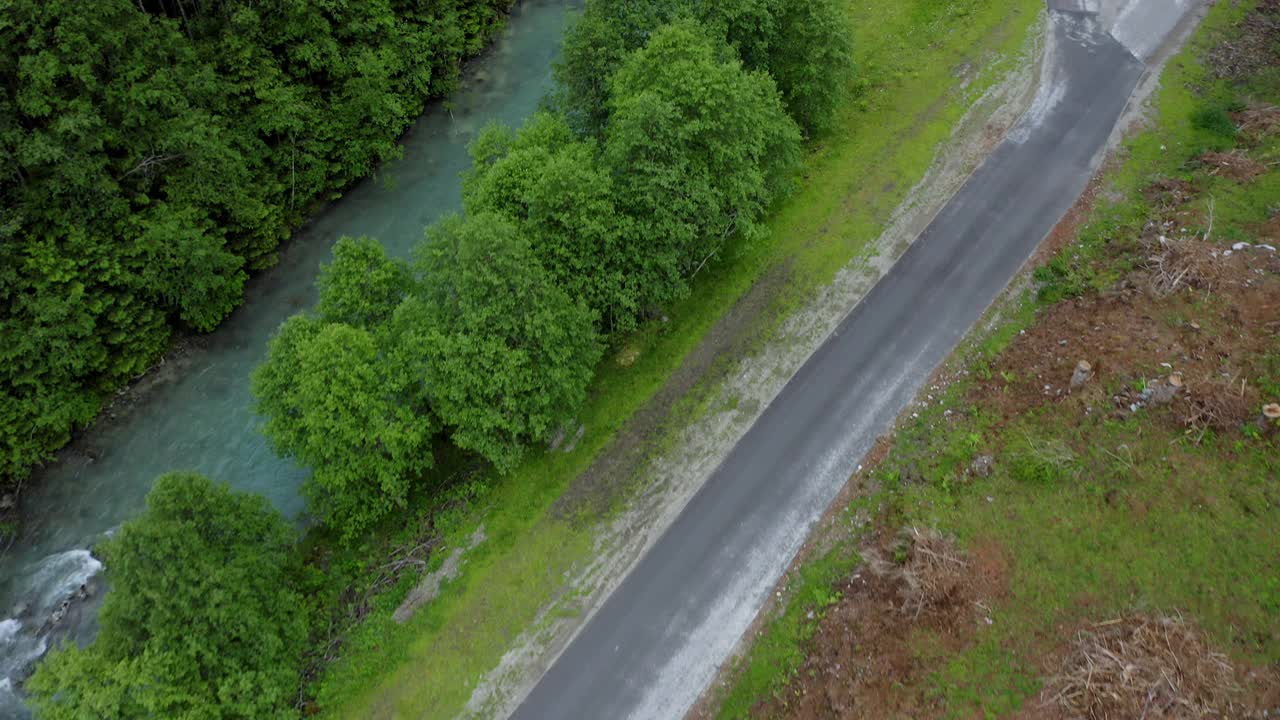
x=1235 y=165
x=1222 y=405
x=1255 y=47
x=1258 y=121
x=930 y=575
x=1177 y=263
x=1141 y=667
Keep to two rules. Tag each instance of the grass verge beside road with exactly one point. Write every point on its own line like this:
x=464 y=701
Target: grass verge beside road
x=1029 y=537
x=922 y=64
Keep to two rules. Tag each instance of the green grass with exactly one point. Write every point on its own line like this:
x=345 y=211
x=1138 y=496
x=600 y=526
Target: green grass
x=906 y=100
x=1099 y=516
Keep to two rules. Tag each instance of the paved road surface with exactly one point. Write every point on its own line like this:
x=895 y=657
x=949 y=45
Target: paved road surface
x=658 y=639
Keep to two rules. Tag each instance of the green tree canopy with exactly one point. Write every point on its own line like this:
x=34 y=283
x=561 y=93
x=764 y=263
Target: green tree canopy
x=551 y=184
x=362 y=286
x=157 y=151
x=804 y=45
x=200 y=622
x=505 y=355
x=335 y=401
x=698 y=148
x=593 y=49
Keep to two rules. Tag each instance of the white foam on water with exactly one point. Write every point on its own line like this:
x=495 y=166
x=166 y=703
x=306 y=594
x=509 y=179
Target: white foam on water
x=8 y=629
x=57 y=576
x=17 y=650
x=49 y=582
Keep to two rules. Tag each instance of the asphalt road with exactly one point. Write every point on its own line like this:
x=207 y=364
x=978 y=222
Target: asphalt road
x=657 y=641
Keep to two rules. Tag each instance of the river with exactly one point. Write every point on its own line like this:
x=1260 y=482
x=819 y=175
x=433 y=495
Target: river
x=197 y=412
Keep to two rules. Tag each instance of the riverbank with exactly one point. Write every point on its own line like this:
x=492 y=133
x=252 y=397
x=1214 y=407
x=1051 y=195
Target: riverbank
x=517 y=594
x=201 y=418
x=1090 y=480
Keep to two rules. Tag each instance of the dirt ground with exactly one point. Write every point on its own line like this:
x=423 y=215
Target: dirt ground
x=864 y=662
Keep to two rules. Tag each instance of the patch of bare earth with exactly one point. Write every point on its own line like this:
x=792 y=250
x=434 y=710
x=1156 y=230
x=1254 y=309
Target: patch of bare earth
x=1182 y=335
x=863 y=662
x=1254 y=49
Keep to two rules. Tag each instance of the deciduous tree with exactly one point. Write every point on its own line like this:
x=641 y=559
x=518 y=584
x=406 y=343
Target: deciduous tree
x=338 y=402
x=698 y=148
x=505 y=355
x=362 y=286
x=200 y=621
x=552 y=185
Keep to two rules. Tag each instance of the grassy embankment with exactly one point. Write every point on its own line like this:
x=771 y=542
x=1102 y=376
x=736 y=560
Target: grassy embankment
x=1101 y=503
x=905 y=99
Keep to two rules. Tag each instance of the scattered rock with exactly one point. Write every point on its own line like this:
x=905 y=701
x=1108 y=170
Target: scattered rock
x=556 y=440
x=1162 y=392
x=1082 y=373
x=55 y=618
x=576 y=437
x=981 y=465
x=1270 y=418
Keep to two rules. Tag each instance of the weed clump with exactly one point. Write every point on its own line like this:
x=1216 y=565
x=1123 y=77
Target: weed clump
x=1040 y=462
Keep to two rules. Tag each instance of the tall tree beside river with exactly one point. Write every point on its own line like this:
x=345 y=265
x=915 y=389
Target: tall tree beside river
x=698 y=147
x=201 y=621
x=803 y=44
x=495 y=334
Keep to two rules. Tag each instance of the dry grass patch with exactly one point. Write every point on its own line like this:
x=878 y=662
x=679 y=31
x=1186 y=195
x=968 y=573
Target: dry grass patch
x=931 y=574
x=1234 y=165
x=1257 y=121
x=1144 y=667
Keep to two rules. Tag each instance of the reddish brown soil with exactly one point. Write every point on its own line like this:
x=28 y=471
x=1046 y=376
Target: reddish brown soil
x=1211 y=328
x=864 y=661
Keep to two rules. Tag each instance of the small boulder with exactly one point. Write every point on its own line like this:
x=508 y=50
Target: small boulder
x=981 y=465
x=1082 y=373
x=8 y=501
x=1269 y=420
x=1162 y=392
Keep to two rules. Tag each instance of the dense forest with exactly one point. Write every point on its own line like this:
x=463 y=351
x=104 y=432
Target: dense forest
x=160 y=150
x=675 y=126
